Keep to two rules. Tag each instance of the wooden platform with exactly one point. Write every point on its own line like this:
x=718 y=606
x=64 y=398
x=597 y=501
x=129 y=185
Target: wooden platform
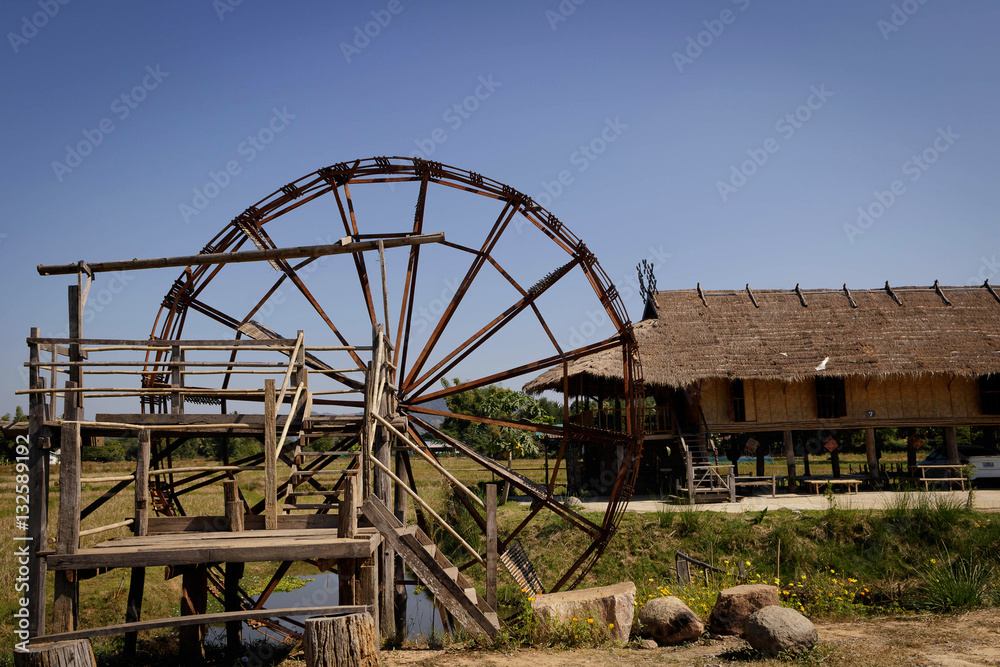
x=219 y=547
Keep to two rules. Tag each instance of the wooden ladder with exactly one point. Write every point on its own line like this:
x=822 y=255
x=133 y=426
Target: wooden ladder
x=434 y=570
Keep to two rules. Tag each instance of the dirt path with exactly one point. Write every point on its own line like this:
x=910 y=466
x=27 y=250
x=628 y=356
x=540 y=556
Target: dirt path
x=950 y=641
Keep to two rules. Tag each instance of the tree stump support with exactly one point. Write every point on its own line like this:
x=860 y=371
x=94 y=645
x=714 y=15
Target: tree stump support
x=341 y=641
x=75 y=652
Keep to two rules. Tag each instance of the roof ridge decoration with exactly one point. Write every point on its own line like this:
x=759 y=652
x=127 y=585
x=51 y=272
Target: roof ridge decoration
x=752 y=297
x=854 y=304
x=892 y=294
x=937 y=288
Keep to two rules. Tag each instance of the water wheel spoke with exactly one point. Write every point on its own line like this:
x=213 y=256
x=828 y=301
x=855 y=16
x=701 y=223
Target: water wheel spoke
x=491 y=239
x=351 y=228
x=409 y=286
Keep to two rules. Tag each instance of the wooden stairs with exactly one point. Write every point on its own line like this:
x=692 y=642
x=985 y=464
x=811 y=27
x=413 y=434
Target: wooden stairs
x=434 y=570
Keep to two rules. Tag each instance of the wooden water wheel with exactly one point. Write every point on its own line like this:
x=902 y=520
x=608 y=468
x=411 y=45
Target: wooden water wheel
x=500 y=300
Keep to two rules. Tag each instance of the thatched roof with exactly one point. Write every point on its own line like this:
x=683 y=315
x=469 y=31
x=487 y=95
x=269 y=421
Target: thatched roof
x=695 y=335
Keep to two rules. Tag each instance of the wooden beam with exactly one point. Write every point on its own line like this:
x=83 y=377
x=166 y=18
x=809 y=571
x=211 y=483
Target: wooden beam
x=491 y=545
x=38 y=480
x=204 y=619
x=343 y=246
x=64 y=610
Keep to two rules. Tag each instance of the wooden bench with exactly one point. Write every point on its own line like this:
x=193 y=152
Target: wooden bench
x=750 y=480
x=953 y=475
x=818 y=484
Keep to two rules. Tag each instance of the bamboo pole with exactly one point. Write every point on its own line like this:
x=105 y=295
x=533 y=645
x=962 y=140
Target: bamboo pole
x=430 y=459
x=288 y=421
x=430 y=510
x=111 y=526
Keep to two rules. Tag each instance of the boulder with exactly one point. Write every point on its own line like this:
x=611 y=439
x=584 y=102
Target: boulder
x=777 y=630
x=611 y=606
x=648 y=644
x=734 y=606
x=669 y=621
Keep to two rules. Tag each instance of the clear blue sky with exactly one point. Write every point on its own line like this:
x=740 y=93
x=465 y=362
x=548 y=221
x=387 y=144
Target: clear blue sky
x=834 y=100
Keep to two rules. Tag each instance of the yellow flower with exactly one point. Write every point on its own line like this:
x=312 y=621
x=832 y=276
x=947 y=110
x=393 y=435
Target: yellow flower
x=575 y=618
x=748 y=562
x=611 y=626
x=933 y=561
x=590 y=620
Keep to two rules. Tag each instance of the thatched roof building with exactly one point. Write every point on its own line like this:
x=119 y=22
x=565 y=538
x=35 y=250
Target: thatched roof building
x=790 y=335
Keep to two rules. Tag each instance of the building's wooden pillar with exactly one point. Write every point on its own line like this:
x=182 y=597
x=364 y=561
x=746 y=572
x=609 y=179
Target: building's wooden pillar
x=951 y=445
x=870 y=453
x=911 y=450
x=760 y=459
x=793 y=485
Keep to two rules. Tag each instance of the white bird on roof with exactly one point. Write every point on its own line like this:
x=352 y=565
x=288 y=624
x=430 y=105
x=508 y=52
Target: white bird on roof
x=822 y=364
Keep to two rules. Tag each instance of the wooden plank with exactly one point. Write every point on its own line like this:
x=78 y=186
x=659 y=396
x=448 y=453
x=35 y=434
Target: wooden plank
x=133 y=607
x=243 y=550
x=270 y=458
x=166 y=525
x=941 y=405
x=347 y=525
x=183 y=420
x=204 y=619
x=233 y=505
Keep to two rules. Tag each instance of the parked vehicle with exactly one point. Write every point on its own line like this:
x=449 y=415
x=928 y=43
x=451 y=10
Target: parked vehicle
x=985 y=462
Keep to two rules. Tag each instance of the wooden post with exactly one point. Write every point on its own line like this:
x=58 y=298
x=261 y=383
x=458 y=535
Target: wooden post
x=137 y=579
x=176 y=381
x=382 y=398
x=491 y=545
x=760 y=459
x=75 y=652
x=194 y=598
x=732 y=485
x=835 y=463
x=400 y=568
x=38 y=471
x=951 y=445
x=793 y=485
x=270 y=457
x=805 y=461
x=347 y=526
x=341 y=641
x=142 y=484
x=233 y=571
x=66 y=603
x=367 y=590
x=870 y=453
x=911 y=451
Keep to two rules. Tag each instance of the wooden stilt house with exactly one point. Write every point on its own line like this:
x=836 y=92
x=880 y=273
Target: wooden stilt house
x=799 y=365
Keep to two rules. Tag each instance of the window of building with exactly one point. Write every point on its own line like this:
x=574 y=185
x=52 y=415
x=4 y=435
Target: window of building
x=831 y=398
x=739 y=402
x=989 y=394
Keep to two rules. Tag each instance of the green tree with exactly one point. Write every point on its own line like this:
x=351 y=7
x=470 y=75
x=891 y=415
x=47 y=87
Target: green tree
x=7 y=443
x=494 y=402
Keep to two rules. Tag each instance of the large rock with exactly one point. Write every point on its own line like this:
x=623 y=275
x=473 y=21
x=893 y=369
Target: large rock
x=612 y=606
x=669 y=621
x=776 y=630
x=734 y=606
